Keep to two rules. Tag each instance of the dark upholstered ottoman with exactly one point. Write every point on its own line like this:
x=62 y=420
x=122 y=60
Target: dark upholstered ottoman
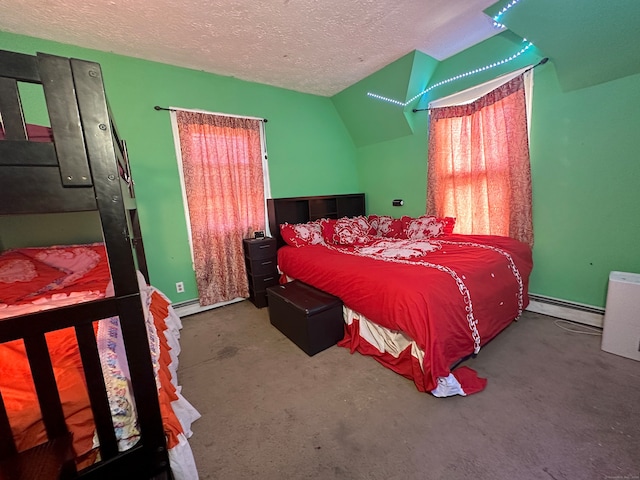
x=310 y=318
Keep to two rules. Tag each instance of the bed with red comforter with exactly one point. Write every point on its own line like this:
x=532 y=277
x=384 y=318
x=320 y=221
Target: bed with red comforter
x=33 y=279
x=418 y=300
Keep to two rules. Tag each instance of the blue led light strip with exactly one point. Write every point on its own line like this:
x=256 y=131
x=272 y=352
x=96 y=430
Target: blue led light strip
x=496 y=19
x=457 y=77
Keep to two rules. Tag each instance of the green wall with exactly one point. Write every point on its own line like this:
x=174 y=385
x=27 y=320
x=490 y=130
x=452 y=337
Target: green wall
x=396 y=169
x=585 y=171
x=310 y=150
x=585 y=174
x=584 y=146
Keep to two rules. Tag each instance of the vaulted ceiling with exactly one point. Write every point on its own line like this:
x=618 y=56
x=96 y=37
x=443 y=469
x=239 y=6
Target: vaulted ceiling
x=311 y=46
x=323 y=47
x=588 y=41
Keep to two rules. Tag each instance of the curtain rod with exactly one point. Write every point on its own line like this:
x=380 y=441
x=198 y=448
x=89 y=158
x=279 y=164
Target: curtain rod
x=541 y=62
x=158 y=108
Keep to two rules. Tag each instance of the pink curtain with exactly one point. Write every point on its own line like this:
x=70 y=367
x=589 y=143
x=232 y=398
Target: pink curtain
x=479 y=170
x=224 y=182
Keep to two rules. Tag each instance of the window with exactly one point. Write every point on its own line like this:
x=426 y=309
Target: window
x=479 y=169
x=225 y=184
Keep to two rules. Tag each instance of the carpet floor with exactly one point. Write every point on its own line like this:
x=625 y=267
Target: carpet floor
x=555 y=407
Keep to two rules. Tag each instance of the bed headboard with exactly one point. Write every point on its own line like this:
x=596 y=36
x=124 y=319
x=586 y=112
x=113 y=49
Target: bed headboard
x=305 y=209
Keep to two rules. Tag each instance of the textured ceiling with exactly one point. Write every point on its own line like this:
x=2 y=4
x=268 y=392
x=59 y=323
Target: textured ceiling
x=311 y=46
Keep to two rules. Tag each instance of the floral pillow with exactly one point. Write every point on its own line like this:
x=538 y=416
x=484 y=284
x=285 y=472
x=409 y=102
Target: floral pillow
x=449 y=224
x=301 y=234
x=386 y=226
x=348 y=231
x=21 y=276
x=427 y=226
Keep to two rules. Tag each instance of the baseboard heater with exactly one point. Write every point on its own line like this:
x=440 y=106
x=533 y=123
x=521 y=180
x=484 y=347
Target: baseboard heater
x=191 y=307
x=553 y=307
x=572 y=311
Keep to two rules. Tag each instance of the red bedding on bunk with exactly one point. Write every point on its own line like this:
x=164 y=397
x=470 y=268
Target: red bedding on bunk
x=437 y=291
x=20 y=397
x=84 y=275
x=35 y=133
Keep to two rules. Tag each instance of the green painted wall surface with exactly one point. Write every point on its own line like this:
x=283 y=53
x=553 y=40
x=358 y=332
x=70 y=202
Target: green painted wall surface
x=371 y=121
x=52 y=229
x=423 y=69
x=584 y=146
x=396 y=169
x=585 y=171
x=490 y=51
x=310 y=150
x=589 y=41
x=585 y=174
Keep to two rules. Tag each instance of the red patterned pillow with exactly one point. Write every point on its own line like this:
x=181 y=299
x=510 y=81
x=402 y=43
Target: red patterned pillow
x=21 y=276
x=348 y=231
x=301 y=234
x=427 y=226
x=386 y=226
x=449 y=224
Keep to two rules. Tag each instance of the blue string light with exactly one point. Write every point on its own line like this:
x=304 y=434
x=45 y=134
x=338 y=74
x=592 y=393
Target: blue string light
x=457 y=77
x=496 y=19
x=497 y=24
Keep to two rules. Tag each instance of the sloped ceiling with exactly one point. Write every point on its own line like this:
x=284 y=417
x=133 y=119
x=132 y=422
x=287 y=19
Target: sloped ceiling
x=323 y=47
x=311 y=46
x=588 y=41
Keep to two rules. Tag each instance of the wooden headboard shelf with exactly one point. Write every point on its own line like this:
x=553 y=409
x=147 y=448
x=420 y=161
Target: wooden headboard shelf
x=305 y=209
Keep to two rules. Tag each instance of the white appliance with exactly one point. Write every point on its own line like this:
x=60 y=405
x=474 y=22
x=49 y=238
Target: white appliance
x=621 y=332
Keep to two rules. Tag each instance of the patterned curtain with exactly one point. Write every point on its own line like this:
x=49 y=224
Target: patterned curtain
x=479 y=170
x=224 y=183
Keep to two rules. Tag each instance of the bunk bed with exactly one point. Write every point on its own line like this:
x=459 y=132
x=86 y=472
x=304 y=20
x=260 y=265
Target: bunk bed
x=78 y=164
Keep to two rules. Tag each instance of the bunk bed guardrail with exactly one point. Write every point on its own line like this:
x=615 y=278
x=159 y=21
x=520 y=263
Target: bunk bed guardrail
x=78 y=170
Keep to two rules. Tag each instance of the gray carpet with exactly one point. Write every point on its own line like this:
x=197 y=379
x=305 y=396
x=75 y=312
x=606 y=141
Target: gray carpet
x=556 y=407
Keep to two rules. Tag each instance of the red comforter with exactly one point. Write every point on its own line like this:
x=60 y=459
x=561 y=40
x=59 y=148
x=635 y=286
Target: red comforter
x=450 y=294
x=33 y=279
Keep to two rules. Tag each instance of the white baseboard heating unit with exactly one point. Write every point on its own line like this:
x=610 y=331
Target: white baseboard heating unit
x=565 y=310
x=621 y=329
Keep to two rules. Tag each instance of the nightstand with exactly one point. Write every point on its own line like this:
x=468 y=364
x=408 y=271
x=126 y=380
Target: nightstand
x=262 y=272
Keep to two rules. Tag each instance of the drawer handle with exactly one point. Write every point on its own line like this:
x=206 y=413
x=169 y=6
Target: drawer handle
x=267 y=263
x=267 y=279
x=264 y=246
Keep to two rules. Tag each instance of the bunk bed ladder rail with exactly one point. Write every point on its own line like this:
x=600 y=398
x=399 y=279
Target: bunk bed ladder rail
x=103 y=158
x=83 y=158
x=36 y=165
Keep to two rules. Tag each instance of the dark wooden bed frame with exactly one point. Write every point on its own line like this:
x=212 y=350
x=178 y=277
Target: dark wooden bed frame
x=80 y=170
x=304 y=209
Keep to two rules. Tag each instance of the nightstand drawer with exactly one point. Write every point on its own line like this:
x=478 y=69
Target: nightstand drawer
x=260 y=248
x=263 y=266
x=261 y=282
x=259 y=299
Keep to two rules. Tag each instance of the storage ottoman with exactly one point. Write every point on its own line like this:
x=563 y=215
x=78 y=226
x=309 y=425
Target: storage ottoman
x=310 y=318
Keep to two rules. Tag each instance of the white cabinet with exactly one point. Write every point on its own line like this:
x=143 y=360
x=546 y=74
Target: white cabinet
x=621 y=333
